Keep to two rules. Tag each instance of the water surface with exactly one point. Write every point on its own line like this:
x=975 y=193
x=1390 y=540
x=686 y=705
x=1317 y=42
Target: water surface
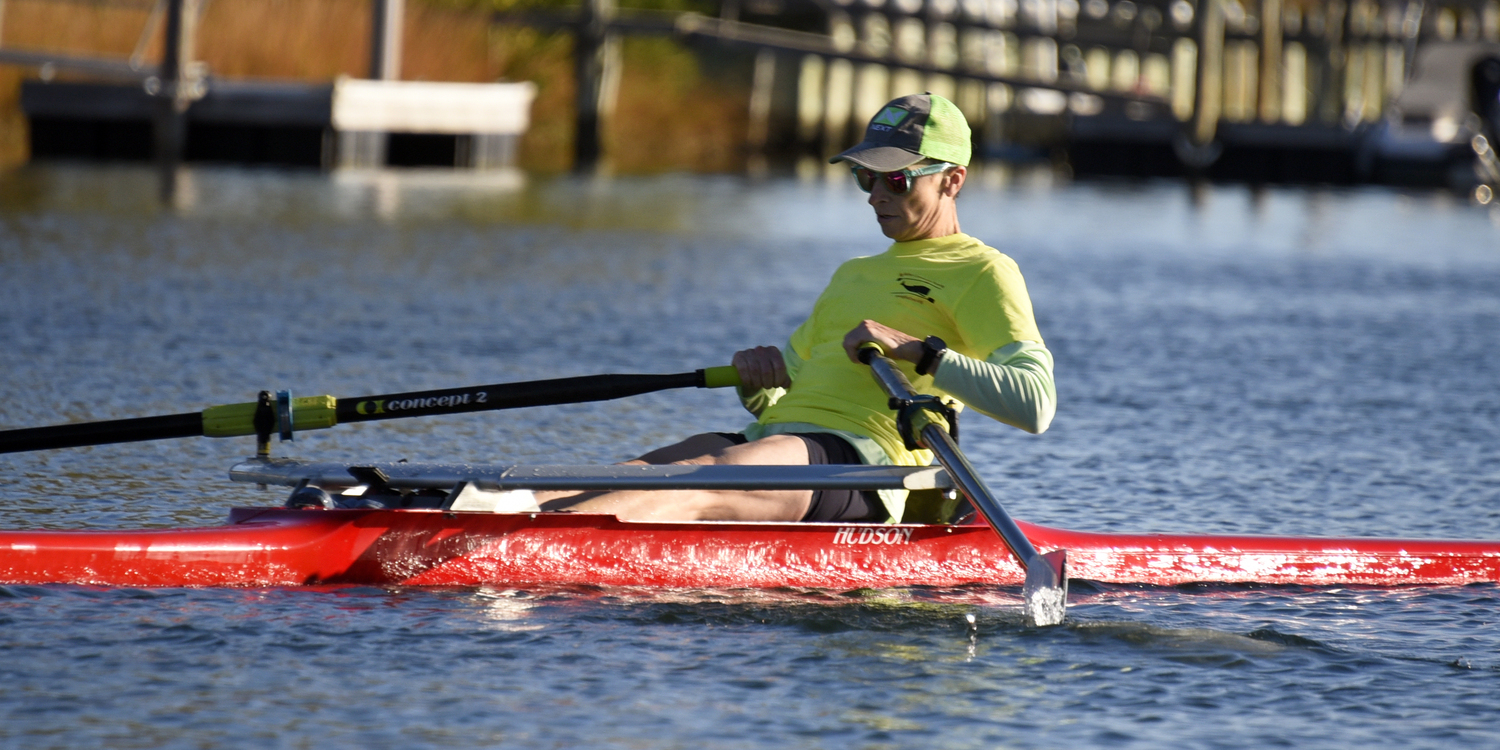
x=1285 y=361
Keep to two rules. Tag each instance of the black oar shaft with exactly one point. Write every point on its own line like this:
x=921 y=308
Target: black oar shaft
x=102 y=433
x=509 y=396
x=316 y=412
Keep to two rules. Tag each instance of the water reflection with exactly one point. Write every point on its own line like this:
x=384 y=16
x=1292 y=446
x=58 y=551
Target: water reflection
x=508 y=610
x=1002 y=204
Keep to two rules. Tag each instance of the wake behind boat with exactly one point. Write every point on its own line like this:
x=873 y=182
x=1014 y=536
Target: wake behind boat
x=409 y=533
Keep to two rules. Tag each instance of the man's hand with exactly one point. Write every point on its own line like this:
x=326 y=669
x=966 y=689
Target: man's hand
x=761 y=367
x=897 y=345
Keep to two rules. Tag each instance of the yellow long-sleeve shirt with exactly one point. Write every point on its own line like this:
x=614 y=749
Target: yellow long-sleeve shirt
x=956 y=288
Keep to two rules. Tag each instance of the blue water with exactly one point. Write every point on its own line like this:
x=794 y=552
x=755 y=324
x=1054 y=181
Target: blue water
x=1288 y=361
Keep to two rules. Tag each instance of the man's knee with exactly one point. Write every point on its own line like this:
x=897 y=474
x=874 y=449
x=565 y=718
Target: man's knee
x=695 y=447
x=769 y=450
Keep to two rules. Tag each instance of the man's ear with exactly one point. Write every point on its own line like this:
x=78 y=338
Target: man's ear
x=954 y=181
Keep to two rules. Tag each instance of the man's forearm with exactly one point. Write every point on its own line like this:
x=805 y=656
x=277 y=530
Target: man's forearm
x=1014 y=385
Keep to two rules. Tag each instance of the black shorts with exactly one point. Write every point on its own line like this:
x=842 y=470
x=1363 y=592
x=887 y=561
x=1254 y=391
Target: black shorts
x=832 y=506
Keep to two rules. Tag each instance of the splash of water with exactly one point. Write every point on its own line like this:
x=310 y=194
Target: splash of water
x=1045 y=605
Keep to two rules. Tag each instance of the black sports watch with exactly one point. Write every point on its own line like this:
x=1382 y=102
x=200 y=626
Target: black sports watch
x=932 y=351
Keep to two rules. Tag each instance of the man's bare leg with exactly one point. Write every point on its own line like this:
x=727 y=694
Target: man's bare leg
x=686 y=451
x=703 y=505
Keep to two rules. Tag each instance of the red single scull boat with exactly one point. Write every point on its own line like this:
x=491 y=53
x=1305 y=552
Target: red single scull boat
x=435 y=546
x=437 y=525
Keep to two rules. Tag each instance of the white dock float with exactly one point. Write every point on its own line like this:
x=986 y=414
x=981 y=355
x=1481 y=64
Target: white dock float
x=488 y=118
x=348 y=122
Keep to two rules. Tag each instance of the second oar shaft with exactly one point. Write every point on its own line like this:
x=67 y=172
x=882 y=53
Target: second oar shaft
x=964 y=476
x=935 y=439
x=1045 y=591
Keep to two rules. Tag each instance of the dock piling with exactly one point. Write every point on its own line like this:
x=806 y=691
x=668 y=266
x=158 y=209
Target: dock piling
x=596 y=56
x=368 y=149
x=1209 y=102
x=176 y=86
x=387 y=24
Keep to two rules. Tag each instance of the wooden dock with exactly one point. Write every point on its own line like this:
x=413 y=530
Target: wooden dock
x=1255 y=90
x=174 y=110
x=1340 y=91
x=329 y=125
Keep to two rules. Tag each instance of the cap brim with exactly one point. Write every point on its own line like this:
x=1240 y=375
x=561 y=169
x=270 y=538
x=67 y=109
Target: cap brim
x=879 y=158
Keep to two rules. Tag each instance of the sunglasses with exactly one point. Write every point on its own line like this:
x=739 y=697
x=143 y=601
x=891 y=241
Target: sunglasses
x=899 y=181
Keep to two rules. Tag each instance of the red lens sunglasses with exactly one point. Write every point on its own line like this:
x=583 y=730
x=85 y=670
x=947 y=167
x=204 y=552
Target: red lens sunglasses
x=899 y=181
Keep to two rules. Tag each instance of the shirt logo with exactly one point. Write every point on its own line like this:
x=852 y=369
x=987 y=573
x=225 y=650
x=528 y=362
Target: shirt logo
x=916 y=288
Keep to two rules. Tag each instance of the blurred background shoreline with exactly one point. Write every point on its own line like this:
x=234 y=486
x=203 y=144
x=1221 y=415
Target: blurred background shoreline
x=671 y=114
x=1257 y=91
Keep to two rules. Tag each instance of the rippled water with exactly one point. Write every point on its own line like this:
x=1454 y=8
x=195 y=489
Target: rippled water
x=1284 y=361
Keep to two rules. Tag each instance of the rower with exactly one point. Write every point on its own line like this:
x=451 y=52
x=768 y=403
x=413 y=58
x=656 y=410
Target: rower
x=953 y=313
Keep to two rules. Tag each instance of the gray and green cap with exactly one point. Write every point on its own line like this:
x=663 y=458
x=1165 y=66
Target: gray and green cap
x=910 y=129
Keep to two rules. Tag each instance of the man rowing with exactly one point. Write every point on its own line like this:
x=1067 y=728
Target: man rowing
x=953 y=312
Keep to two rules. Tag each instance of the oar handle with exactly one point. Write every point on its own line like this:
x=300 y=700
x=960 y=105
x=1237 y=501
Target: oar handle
x=723 y=376
x=891 y=380
x=320 y=412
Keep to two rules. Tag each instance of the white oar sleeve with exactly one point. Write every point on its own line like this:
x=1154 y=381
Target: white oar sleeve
x=1013 y=385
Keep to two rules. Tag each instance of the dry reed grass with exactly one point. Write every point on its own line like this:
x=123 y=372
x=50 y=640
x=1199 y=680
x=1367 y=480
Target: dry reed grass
x=670 y=114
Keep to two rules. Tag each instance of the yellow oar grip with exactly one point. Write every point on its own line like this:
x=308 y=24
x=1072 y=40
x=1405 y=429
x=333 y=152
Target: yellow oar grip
x=869 y=348
x=233 y=420
x=723 y=376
